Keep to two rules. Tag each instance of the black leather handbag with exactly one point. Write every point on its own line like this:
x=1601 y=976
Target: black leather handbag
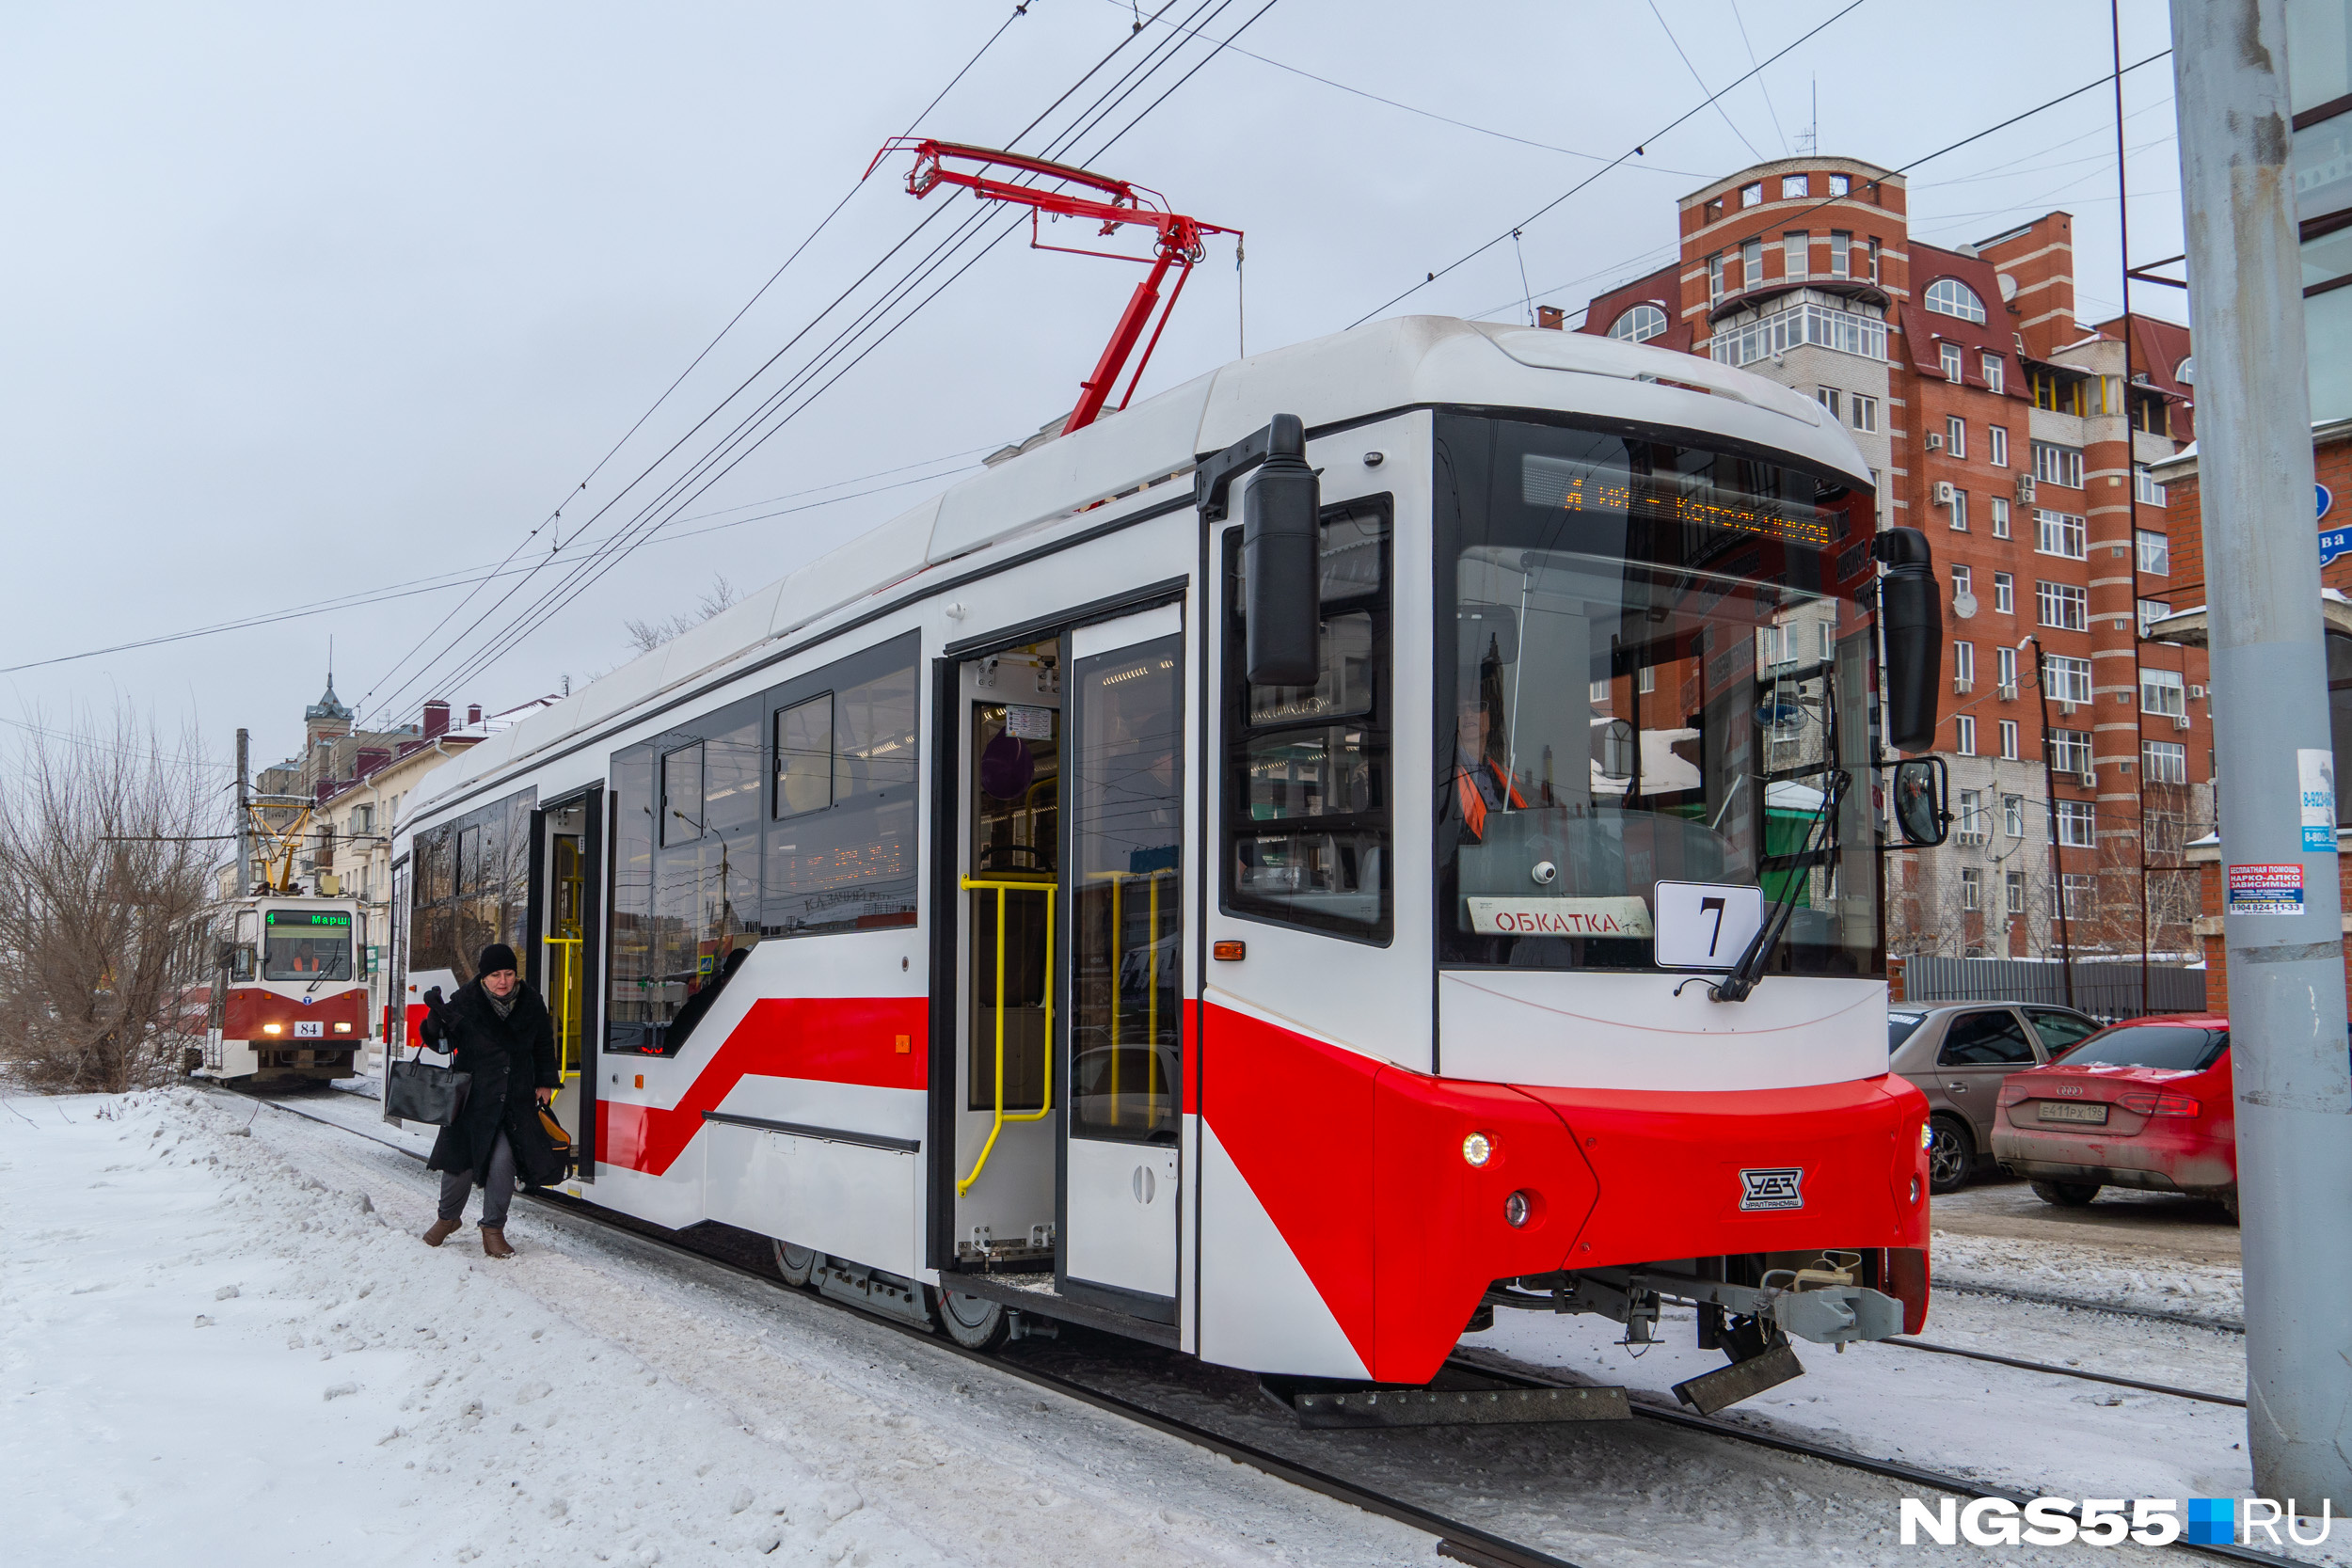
x=419 y=1091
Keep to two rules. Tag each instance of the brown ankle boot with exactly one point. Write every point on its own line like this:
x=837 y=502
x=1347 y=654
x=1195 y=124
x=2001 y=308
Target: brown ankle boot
x=494 y=1242
x=442 y=1230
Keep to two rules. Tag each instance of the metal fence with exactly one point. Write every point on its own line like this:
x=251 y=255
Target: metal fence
x=2109 y=988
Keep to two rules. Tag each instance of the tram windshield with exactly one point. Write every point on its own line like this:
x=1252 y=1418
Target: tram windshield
x=1657 y=670
x=306 y=945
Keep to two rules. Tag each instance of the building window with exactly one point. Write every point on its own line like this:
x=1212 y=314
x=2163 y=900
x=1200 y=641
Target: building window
x=1997 y=437
x=1829 y=641
x=1794 y=185
x=2013 y=886
x=1866 y=412
x=2155 y=552
x=1639 y=324
x=2163 y=762
x=1792 y=247
x=2063 y=606
x=2060 y=534
x=1715 y=278
x=2070 y=751
x=2078 y=826
x=1874 y=259
x=1959 y=511
x=1955 y=436
x=1752 y=195
x=2150 y=611
x=1775 y=644
x=2145 y=489
x=1839 y=184
x=1751 y=262
x=2013 y=815
x=1597 y=691
x=1995 y=377
x=2057 y=465
x=2078 y=889
x=1950 y=296
x=2008 y=740
x=1965 y=735
x=2005 y=669
x=1807 y=318
x=1840 y=253
x=1971 y=883
x=2161 y=692
x=1646 y=681
x=2069 y=682
x=1829 y=397
x=2060 y=394
x=2000 y=516
x=1964 y=662
x=1950 y=353
x=1964 y=581
x=2005 y=592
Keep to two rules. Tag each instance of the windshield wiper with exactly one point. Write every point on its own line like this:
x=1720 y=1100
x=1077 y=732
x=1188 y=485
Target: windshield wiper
x=1744 y=975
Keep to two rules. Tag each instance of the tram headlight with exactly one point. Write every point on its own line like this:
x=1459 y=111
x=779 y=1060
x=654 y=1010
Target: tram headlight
x=1478 y=1148
x=343 y=1028
x=1519 y=1208
x=1927 y=1137
x=273 y=1028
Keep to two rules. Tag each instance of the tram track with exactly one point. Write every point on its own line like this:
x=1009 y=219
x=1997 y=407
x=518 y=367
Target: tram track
x=1455 y=1539
x=2080 y=1304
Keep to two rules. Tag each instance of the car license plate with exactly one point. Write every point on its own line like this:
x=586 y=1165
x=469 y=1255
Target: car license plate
x=2064 y=1110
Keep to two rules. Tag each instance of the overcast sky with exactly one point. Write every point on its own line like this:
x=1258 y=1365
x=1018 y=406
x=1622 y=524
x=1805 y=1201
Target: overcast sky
x=309 y=301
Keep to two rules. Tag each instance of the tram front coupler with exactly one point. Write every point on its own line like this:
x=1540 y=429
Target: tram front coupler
x=1825 y=1303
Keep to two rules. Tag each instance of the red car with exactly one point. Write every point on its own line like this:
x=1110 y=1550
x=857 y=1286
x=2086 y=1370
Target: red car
x=2146 y=1103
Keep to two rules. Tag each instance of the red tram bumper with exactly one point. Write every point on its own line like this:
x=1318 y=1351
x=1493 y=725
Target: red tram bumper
x=1402 y=1233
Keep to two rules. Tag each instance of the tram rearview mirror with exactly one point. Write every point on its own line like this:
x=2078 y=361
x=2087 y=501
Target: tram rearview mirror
x=1911 y=611
x=1921 y=785
x=1281 y=546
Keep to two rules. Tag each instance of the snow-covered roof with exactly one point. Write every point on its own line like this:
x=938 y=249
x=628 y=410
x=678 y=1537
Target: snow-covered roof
x=1398 y=363
x=2189 y=628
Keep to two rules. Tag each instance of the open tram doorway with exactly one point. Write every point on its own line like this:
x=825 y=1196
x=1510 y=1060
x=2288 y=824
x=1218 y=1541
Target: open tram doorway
x=1062 y=1056
x=564 y=933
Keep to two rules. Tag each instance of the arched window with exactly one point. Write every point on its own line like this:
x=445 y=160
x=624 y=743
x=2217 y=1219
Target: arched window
x=2186 y=371
x=1639 y=324
x=1950 y=296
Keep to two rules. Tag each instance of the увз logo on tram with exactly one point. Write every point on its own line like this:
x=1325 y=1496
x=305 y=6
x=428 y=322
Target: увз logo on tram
x=1419 y=717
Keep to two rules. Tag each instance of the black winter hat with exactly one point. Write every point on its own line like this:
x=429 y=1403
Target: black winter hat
x=494 y=958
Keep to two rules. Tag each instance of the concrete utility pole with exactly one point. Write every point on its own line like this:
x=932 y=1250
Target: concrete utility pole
x=2283 y=929
x=245 y=823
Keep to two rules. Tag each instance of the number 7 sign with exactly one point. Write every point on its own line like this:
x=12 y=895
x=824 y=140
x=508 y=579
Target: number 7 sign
x=1704 y=924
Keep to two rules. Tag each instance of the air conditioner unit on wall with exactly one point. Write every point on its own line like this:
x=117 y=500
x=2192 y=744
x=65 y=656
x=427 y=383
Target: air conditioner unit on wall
x=2025 y=488
x=1936 y=442
x=1943 y=492
x=1963 y=686
x=2196 y=690
x=2091 y=778
x=2066 y=710
x=2180 y=720
x=2009 y=693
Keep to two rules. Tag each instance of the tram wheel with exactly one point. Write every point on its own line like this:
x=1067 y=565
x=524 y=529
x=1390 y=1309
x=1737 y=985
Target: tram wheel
x=1951 y=1155
x=973 y=1322
x=798 y=1264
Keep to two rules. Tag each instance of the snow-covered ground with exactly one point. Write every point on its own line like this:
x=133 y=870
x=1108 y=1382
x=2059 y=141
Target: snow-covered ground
x=221 y=1342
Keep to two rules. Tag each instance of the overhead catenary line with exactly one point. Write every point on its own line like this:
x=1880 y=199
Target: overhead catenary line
x=1714 y=98
x=1636 y=150
x=1018 y=12
x=745 y=439
x=392 y=698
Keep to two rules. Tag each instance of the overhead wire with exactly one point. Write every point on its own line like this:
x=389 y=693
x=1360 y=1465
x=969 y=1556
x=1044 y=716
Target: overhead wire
x=745 y=439
x=1633 y=151
x=1018 y=12
x=1712 y=97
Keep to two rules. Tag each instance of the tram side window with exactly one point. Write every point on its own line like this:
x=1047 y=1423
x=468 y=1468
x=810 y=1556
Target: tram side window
x=1308 y=815
x=471 y=888
x=841 y=834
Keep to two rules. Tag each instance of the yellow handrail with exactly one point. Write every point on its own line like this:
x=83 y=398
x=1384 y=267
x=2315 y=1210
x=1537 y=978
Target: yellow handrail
x=1119 y=880
x=566 y=1018
x=1045 y=1105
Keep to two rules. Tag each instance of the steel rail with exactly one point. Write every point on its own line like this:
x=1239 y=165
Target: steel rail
x=2177 y=1393
x=2049 y=1298
x=1460 y=1541
x=1457 y=1539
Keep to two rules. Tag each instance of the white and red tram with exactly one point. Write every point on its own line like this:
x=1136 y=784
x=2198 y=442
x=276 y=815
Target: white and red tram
x=958 y=913
x=286 y=1000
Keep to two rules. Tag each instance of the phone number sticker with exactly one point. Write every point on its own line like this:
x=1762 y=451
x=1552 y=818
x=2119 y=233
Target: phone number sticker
x=2266 y=889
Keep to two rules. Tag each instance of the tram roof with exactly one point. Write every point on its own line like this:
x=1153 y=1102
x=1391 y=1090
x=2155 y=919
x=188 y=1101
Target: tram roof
x=1397 y=363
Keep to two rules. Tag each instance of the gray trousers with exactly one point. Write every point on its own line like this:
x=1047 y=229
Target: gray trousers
x=496 y=1193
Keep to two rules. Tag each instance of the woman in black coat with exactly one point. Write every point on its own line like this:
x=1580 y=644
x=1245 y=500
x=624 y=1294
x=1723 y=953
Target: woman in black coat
x=503 y=1037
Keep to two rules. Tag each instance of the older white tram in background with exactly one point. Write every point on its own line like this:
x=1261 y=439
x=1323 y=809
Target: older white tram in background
x=286 y=999
x=960 y=914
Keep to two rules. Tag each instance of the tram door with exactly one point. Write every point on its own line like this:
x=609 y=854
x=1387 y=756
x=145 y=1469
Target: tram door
x=1122 y=1061
x=563 y=929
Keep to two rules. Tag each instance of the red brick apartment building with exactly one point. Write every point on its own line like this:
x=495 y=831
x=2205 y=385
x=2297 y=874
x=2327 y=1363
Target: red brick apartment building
x=2010 y=432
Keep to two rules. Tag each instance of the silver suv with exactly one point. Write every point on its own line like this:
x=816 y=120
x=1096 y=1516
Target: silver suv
x=1958 y=1053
